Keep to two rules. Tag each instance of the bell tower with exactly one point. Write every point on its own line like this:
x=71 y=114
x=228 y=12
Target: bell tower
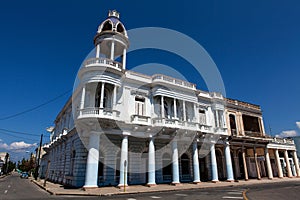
x=111 y=40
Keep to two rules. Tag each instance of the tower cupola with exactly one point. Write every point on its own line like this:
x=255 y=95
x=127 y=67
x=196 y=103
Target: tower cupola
x=111 y=40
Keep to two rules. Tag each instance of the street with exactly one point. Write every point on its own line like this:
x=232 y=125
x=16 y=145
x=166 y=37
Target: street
x=13 y=187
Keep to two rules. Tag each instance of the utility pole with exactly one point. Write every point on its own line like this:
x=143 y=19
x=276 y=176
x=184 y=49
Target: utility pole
x=6 y=163
x=36 y=174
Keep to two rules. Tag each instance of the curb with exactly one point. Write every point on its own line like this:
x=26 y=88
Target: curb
x=42 y=187
x=178 y=188
x=244 y=194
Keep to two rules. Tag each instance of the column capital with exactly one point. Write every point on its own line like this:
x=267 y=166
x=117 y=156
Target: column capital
x=126 y=133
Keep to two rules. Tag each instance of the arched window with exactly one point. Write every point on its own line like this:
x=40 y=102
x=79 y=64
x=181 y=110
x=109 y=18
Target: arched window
x=107 y=26
x=167 y=167
x=185 y=164
x=120 y=28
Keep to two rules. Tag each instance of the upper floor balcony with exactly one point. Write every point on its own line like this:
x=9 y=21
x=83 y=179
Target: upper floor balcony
x=288 y=141
x=160 y=78
x=101 y=64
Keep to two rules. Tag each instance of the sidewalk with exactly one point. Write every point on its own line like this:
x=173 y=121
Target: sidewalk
x=57 y=189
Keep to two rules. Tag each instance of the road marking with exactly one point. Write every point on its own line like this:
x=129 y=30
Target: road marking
x=234 y=192
x=5 y=191
x=131 y=199
x=182 y=195
x=229 y=197
x=155 y=197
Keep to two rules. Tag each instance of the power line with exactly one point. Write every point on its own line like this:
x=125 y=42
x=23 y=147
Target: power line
x=10 y=135
x=35 y=107
x=18 y=132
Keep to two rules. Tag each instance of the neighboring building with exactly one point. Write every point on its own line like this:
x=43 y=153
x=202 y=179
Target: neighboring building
x=254 y=153
x=297 y=143
x=141 y=129
x=2 y=161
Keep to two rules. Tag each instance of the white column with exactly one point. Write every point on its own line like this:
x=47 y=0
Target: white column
x=151 y=163
x=162 y=107
x=98 y=50
x=256 y=164
x=112 y=50
x=280 y=173
x=124 y=162
x=184 y=112
x=296 y=163
x=91 y=177
x=287 y=162
x=175 y=165
x=228 y=163
x=245 y=165
x=115 y=97
x=217 y=118
x=214 y=166
x=196 y=163
x=124 y=59
x=269 y=167
x=82 y=99
x=175 y=109
x=102 y=95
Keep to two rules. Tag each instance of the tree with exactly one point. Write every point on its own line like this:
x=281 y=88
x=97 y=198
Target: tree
x=27 y=165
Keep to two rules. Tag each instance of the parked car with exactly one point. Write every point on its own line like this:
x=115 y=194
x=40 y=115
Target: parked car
x=24 y=175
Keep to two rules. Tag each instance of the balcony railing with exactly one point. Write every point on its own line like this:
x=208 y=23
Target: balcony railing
x=94 y=111
x=168 y=79
x=243 y=104
x=283 y=141
x=103 y=61
x=253 y=134
x=140 y=119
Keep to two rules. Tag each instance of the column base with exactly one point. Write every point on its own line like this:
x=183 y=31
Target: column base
x=151 y=184
x=215 y=181
x=89 y=187
x=270 y=178
x=176 y=183
x=230 y=180
x=122 y=186
x=247 y=179
x=197 y=182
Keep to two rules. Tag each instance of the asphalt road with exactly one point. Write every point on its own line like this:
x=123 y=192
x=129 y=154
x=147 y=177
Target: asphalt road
x=13 y=187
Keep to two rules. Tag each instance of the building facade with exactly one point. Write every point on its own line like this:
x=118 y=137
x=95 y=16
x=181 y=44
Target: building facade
x=121 y=127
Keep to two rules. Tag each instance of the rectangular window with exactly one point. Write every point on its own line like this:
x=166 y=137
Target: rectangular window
x=202 y=117
x=140 y=106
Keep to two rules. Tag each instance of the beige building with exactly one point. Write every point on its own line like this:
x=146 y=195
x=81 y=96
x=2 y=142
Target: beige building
x=255 y=154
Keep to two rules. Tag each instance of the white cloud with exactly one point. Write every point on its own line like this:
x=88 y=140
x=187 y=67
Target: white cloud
x=21 y=145
x=16 y=145
x=290 y=133
x=3 y=145
x=298 y=124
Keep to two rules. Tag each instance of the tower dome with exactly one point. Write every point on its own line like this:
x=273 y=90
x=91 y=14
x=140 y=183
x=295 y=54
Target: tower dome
x=113 y=23
x=111 y=39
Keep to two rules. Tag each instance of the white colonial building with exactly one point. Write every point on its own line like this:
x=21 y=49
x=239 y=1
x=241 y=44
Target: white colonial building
x=121 y=127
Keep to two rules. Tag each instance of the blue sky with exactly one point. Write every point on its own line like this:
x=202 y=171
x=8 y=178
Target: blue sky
x=255 y=45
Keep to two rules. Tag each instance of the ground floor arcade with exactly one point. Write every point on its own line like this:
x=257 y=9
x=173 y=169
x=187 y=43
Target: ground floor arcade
x=126 y=160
